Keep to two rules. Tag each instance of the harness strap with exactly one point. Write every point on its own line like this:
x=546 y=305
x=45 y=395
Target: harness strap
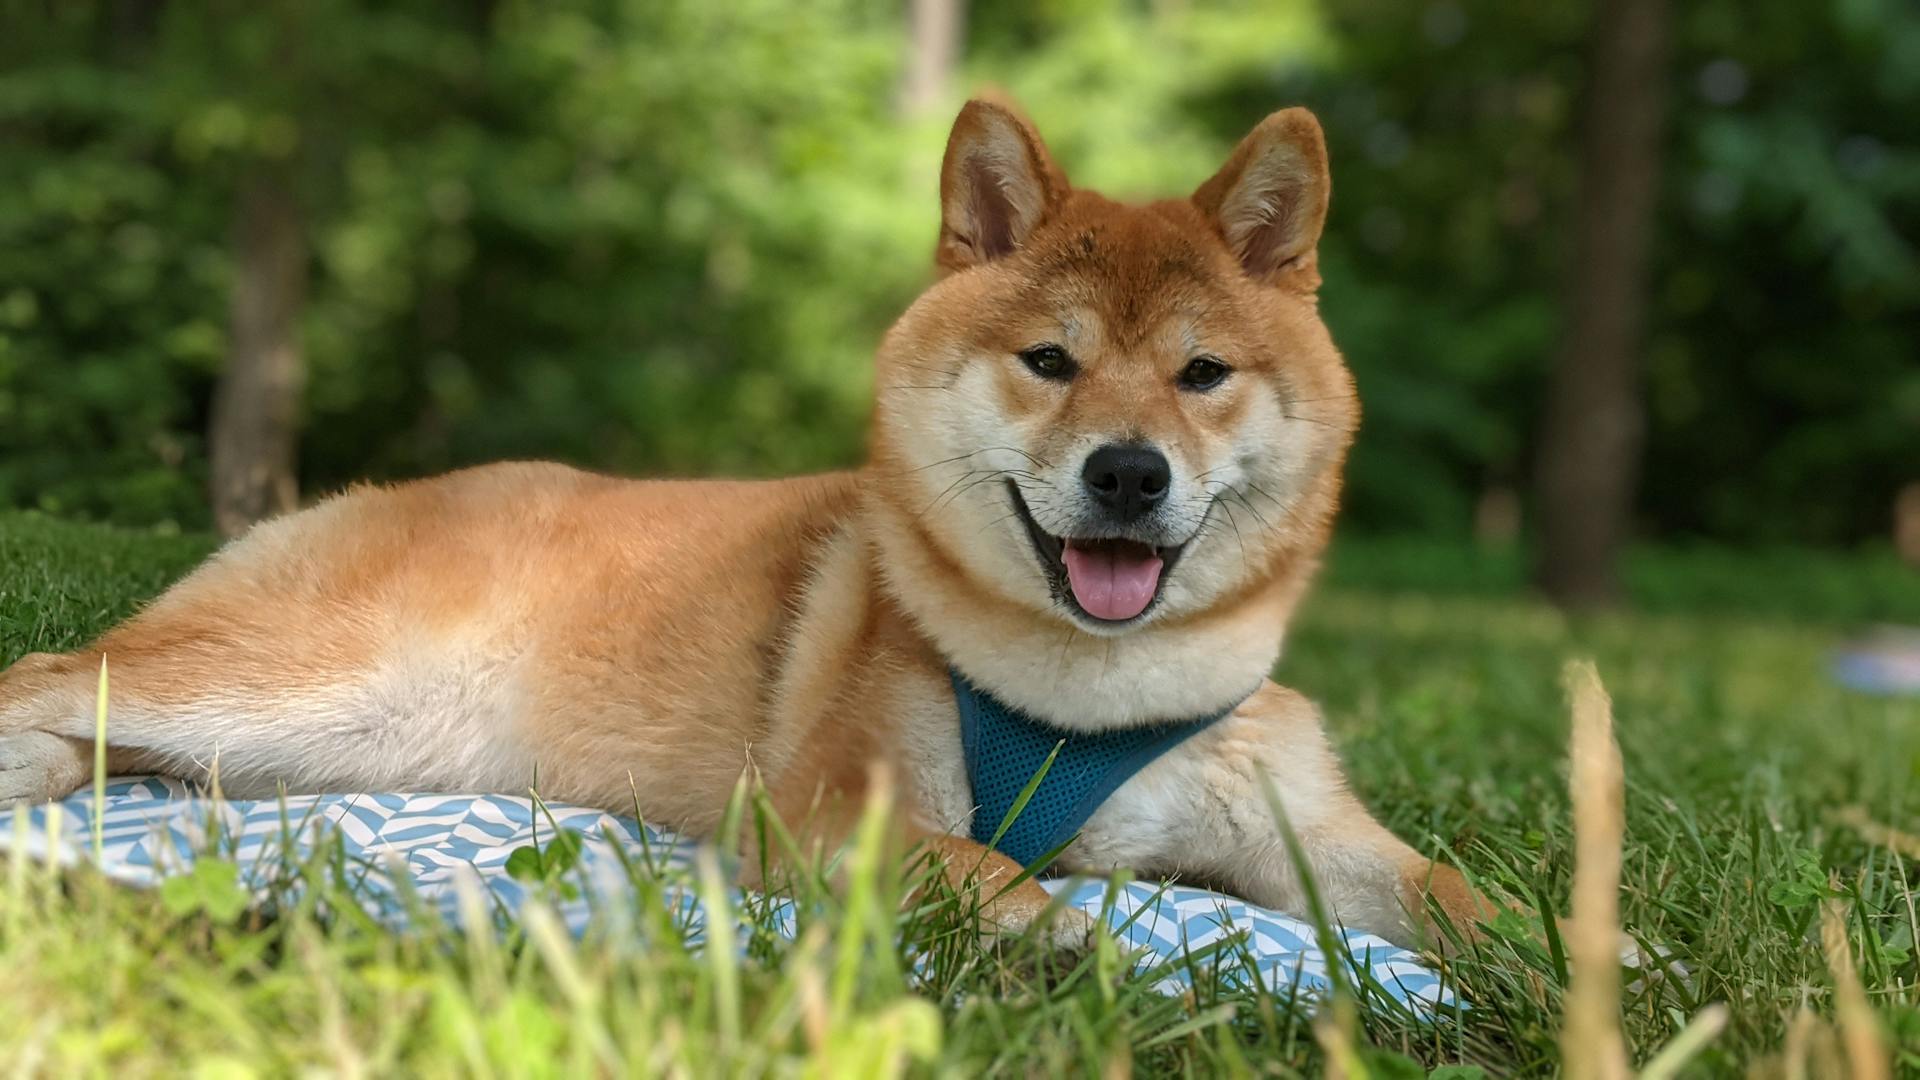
x=1005 y=748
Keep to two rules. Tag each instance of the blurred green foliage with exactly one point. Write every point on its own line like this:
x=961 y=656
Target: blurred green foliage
x=663 y=235
x=1759 y=581
x=1783 y=383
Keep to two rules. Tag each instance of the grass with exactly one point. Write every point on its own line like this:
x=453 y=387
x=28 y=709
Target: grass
x=1752 y=788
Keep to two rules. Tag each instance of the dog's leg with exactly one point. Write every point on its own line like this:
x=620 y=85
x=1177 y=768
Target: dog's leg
x=282 y=661
x=1369 y=878
x=47 y=707
x=261 y=711
x=39 y=767
x=824 y=817
x=965 y=863
x=35 y=764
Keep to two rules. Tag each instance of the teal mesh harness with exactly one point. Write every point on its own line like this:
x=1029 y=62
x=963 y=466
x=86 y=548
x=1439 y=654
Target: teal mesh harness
x=1005 y=748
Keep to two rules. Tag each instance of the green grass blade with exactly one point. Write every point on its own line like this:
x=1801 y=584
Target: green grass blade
x=1026 y=793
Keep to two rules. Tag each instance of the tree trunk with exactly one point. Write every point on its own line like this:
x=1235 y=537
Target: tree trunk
x=1591 y=440
x=254 y=436
x=933 y=38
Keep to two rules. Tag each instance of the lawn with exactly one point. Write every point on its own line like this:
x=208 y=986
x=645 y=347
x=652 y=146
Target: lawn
x=1444 y=694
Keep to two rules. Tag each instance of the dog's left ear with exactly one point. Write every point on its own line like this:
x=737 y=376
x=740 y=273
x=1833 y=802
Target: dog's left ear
x=997 y=185
x=1269 y=201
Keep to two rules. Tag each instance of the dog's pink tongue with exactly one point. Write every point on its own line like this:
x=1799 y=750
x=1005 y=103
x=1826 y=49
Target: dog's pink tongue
x=1112 y=581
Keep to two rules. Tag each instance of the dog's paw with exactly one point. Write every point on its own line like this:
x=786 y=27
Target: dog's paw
x=1062 y=929
x=38 y=767
x=1070 y=929
x=1046 y=946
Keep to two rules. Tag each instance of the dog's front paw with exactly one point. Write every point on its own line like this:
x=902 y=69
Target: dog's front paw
x=38 y=767
x=1046 y=945
x=1066 y=929
x=1070 y=929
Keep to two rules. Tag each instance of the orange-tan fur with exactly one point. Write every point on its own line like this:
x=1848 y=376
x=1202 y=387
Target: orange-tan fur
x=650 y=639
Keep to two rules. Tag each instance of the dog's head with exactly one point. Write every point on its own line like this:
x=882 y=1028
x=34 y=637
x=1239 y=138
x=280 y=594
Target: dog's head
x=1113 y=419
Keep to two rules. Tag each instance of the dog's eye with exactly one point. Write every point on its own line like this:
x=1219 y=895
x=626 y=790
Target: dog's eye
x=1049 y=361
x=1203 y=373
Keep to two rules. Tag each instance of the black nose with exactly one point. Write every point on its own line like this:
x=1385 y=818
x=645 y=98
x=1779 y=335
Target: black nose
x=1129 y=480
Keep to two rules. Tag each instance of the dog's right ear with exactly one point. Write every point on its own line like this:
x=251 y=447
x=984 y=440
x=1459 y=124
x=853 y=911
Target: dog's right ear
x=997 y=185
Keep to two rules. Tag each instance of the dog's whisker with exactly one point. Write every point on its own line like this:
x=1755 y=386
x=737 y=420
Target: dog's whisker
x=973 y=478
x=945 y=461
x=1060 y=661
x=936 y=499
x=1008 y=516
x=1245 y=565
x=989 y=478
x=1264 y=493
x=1311 y=420
x=1242 y=499
x=1037 y=462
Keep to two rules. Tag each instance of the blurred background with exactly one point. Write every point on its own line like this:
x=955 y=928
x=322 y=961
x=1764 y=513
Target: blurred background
x=1624 y=286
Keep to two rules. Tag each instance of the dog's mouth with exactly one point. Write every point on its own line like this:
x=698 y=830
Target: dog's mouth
x=1107 y=579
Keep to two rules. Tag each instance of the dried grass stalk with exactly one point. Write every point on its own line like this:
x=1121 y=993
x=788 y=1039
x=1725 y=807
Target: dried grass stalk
x=1866 y=1052
x=1873 y=832
x=1591 y=1044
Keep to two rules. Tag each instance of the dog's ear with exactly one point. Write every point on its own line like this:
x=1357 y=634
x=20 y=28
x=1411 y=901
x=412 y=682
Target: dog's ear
x=1269 y=201
x=997 y=185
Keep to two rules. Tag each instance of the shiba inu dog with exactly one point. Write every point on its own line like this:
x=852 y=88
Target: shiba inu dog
x=1106 y=452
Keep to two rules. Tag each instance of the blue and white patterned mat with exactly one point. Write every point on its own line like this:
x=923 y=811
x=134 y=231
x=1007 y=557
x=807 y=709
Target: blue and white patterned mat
x=153 y=828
